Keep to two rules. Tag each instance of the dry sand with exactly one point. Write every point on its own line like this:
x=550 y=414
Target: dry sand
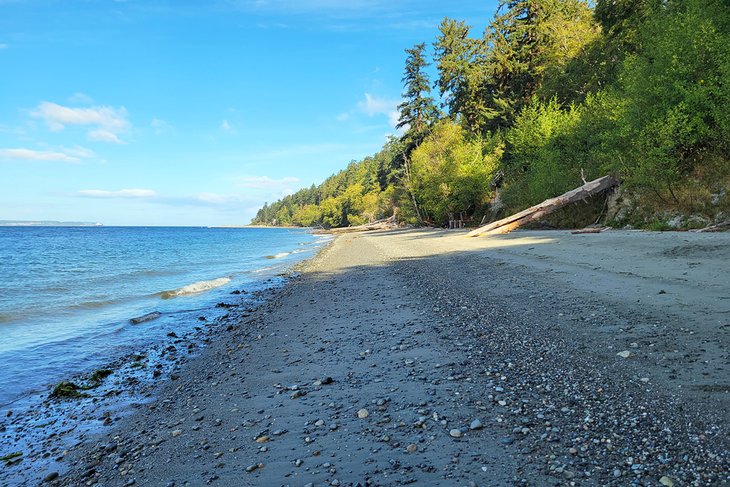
x=431 y=332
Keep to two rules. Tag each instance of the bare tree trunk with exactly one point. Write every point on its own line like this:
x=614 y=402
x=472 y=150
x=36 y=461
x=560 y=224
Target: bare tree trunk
x=536 y=212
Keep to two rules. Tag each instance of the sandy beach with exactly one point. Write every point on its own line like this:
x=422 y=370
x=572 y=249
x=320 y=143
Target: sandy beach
x=422 y=357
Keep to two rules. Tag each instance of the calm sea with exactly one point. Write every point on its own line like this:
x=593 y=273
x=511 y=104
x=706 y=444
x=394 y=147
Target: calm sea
x=67 y=293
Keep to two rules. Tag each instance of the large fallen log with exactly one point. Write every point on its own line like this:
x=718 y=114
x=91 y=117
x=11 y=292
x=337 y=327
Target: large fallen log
x=536 y=212
x=722 y=226
x=386 y=224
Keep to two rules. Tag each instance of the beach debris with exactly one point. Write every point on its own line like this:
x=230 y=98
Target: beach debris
x=506 y=225
x=11 y=457
x=385 y=224
x=68 y=389
x=144 y=318
x=589 y=230
x=716 y=228
x=98 y=376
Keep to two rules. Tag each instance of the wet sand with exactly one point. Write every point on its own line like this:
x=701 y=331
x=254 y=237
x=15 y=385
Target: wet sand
x=426 y=358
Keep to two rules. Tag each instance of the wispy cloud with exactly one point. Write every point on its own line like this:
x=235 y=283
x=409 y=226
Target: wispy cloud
x=103 y=135
x=122 y=193
x=106 y=123
x=81 y=98
x=72 y=156
x=4 y=46
x=160 y=126
x=227 y=127
x=373 y=105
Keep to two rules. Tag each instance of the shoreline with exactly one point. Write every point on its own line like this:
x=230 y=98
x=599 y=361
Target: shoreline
x=401 y=321
x=38 y=430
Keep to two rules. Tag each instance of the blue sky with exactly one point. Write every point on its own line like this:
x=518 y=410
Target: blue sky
x=146 y=112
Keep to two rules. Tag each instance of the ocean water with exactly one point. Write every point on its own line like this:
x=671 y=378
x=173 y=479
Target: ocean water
x=67 y=293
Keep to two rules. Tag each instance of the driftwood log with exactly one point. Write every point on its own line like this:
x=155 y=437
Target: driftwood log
x=716 y=228
x=386 y=224
x=536 y=212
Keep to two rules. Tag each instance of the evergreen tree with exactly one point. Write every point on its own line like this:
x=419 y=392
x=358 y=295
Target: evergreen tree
x=417 y=110
x=461 y=64
x=515 y=57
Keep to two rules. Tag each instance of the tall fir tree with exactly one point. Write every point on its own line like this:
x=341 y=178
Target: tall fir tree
x=417 y=110
x=461 y=63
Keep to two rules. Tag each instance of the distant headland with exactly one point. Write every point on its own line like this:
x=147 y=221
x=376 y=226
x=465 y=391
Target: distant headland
x=46 y=223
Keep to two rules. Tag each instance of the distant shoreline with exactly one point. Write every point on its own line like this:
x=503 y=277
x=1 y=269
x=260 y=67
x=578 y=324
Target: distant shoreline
x=47 y=223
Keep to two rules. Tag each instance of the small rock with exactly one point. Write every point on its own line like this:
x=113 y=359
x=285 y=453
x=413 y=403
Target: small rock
x=176 y=432
x=51 y=477
x=666 y=481
x=456 y=433
x=363 y=413
x=262 y=439
x=625 y=354
x=475 y=425
x=412 y=448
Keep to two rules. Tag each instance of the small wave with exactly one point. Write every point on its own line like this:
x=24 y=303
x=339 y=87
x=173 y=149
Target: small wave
x=263 y=269
x=94 y=304
x=195 y=288
x=278 y=256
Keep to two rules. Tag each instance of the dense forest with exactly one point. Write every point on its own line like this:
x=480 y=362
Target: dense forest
x=552 y=92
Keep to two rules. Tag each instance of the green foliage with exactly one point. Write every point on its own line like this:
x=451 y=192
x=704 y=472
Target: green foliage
x=452 y=172
x=555 y=91
x=540 y=163
x=461 y=63
x=677 y=94
x=417 y=111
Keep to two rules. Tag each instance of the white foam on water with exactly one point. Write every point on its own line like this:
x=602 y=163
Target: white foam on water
x=196 y=288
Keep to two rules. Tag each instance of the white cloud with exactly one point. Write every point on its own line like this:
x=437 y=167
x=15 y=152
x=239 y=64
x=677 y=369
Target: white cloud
x=107 y=122
x=103 y=135
x=343 y=117
x=160 y=126
x=34 y=155
x=4 y=46
x=81 y=98
x=260 y=182
x=78 y=151
x=122 y=193
x=373 y=106
x=227 y=127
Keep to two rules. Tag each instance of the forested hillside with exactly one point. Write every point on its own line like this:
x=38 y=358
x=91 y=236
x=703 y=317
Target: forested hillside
x=552 y=91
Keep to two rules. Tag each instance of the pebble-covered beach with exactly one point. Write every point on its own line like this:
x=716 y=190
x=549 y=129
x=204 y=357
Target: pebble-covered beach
x=423 y=358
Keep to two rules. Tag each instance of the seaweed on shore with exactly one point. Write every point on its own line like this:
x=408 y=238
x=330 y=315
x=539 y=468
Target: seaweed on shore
x=70 y=390
x=11 y=457
x=98 y=376
x=67 y=389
